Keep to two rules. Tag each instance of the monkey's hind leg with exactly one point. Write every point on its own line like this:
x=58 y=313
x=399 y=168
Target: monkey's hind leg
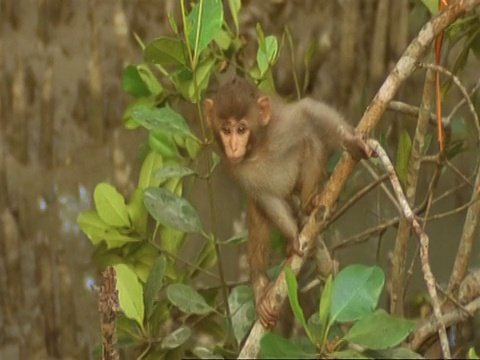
x=259 y=258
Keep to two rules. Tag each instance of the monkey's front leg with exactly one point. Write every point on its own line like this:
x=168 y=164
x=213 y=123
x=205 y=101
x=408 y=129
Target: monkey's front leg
x=278 y=210
x=357 y=146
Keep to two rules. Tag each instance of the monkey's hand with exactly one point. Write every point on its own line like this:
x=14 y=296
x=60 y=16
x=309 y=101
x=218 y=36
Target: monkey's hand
x=293 y=247
x=357 y=146
x=264 y=305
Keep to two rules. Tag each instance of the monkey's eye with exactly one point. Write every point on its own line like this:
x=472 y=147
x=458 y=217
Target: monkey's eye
x=241 y=130
x=225 y=130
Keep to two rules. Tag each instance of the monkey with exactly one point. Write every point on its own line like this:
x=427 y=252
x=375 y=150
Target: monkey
x=277 y=152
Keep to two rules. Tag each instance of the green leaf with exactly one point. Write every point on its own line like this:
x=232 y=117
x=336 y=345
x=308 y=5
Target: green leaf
x=355 y=292
x=154 y=283
x=142 y=270
x=171 y=210
x=132 y=82
x=193 y=147
x=172 y=240
x=173 y=23
x=128 y=120
x=223 y=40
x=242 y=308
x=137 y=212
x=325 y=305
x=379 y=331
x=152 y=163
x=397 y=353
x=149 y=78
x=186 y=83
x=164 y=119
x=403 y=156
x=459 y=128
x=472 y=354
x=163 y=144
x=271 y=49
x=274 y=346
x=262 y=60
x=215 y=161
x=166 y=51
x=176 y=338
x=110 y=205
x=293 y=297
x=92 y=225
x=173 y=171
x=431 y=5
x=427 y=143
x=203 y=352
x=205 y=20
x=130 y=293
x=115 y=239
x=267 y=51
x=187 y=299
x=235 y=6
x=207 y=257
x=347 y=354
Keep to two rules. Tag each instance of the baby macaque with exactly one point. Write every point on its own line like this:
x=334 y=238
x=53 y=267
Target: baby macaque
x=276 y=151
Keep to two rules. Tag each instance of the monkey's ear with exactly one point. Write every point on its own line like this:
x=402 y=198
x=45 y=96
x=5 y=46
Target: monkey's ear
x=209 y=107
x=264 y=108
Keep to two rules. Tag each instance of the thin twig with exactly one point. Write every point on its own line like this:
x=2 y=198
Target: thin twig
x=387 y=192
x=424 y=243
x=358 y=195
x=452 y=212
x=453 y=300
x=427 y=328
x=459 y=173
x=462 y=102
x=462 y=88
x=410 y=110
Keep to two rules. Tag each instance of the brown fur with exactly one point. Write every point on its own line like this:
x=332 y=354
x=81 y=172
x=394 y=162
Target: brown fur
x=284 y=153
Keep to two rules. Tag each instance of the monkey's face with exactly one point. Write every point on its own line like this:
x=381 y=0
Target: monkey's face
x=234 y=135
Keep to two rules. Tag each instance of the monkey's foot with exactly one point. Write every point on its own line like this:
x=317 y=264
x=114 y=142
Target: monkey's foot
x=267 y=316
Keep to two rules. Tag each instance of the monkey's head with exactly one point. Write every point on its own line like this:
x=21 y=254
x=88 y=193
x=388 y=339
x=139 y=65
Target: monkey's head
x=238 y=115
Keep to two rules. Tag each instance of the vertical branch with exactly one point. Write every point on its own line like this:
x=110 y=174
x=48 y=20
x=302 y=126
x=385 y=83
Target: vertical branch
x=403 y=234
x=468 y=236
x=108 y=306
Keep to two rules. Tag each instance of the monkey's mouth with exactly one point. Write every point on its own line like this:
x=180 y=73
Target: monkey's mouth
x=235 y=160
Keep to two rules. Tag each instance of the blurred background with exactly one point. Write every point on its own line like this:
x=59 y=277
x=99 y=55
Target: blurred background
x=61 y=106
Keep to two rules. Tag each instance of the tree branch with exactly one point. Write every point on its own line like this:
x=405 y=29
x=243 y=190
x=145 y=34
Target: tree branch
x=424 y=241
